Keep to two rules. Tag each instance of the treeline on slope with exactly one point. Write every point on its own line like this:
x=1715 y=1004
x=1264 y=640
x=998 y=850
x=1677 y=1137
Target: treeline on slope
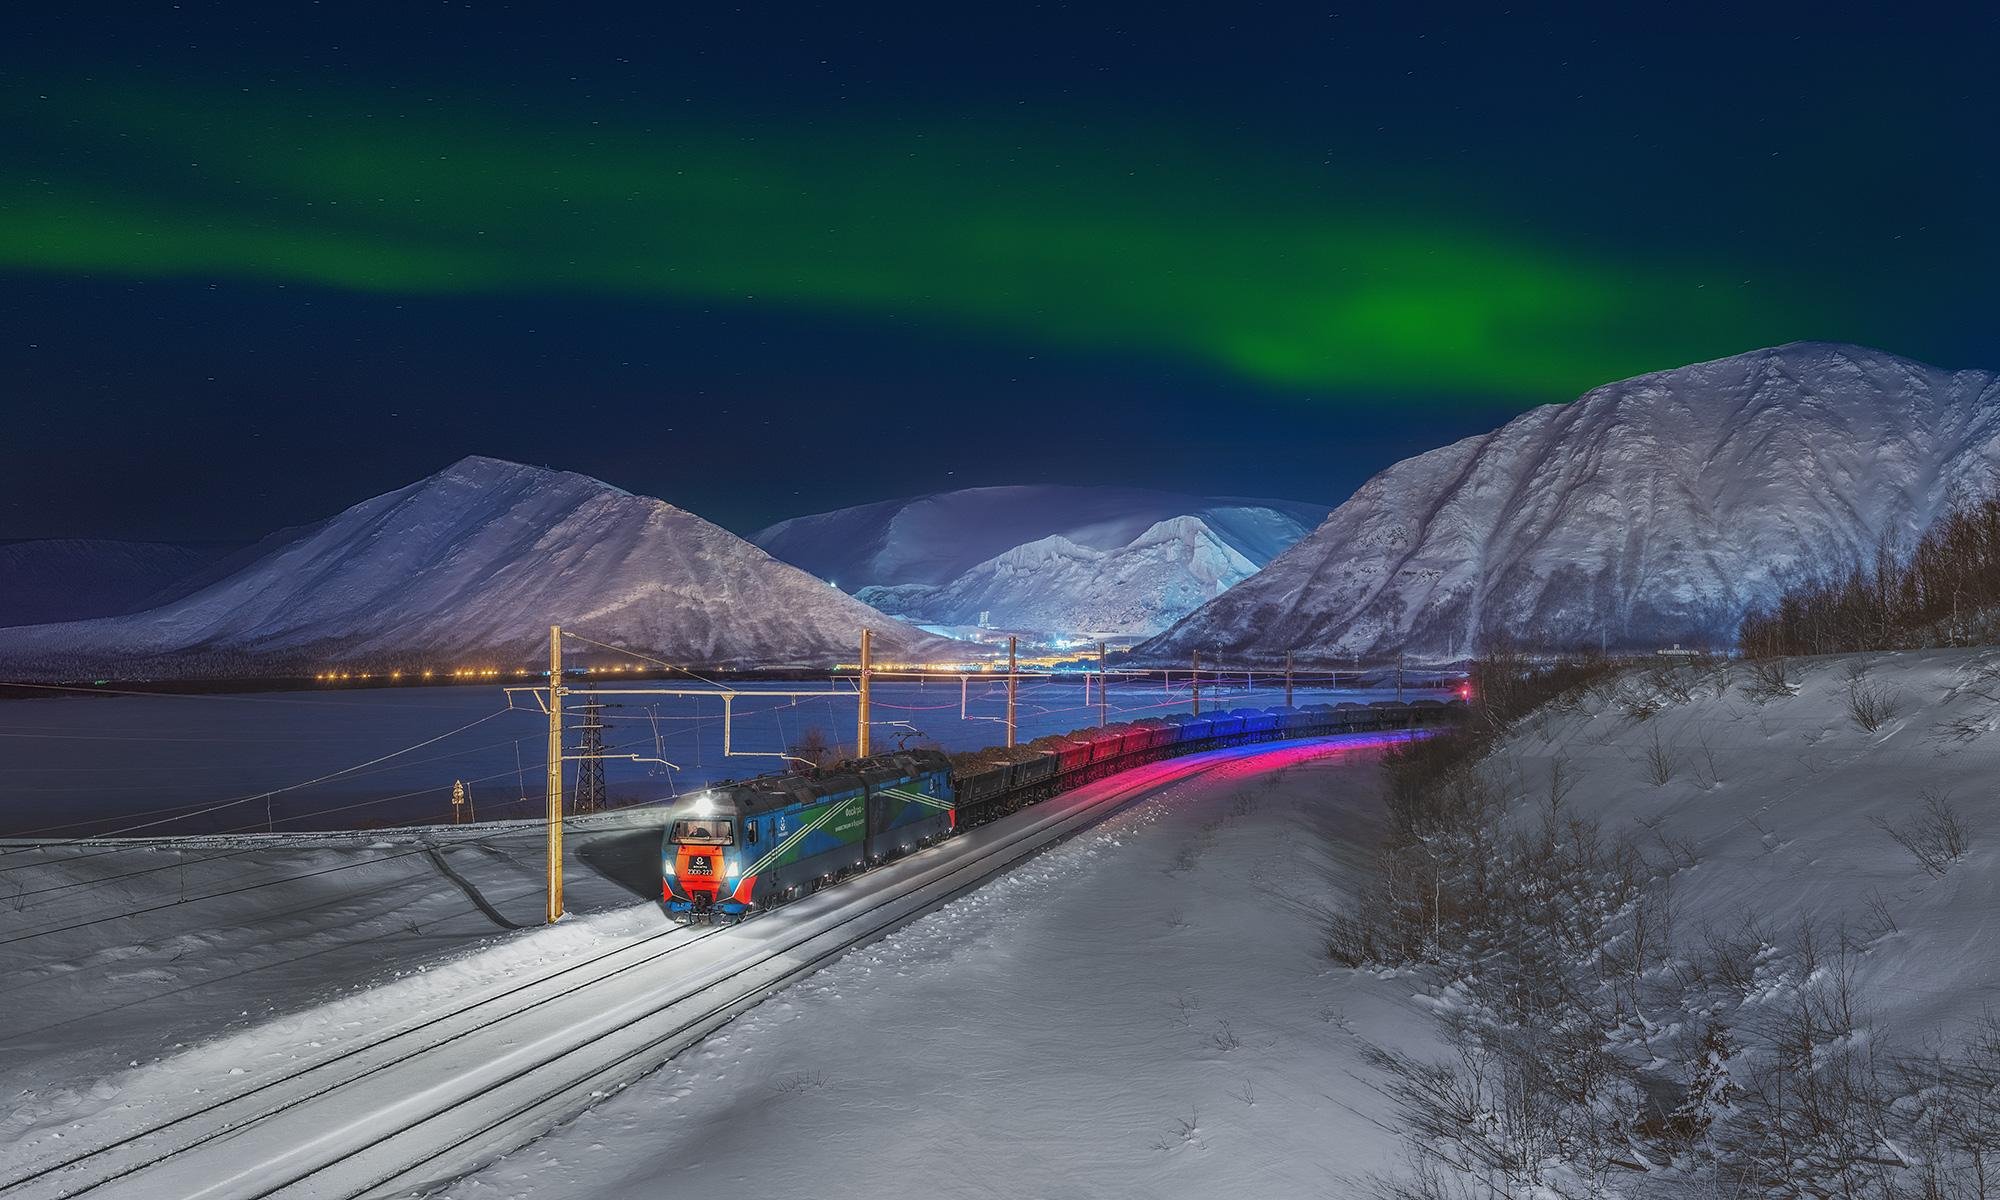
x=1595 y=1047
x=1941 y=594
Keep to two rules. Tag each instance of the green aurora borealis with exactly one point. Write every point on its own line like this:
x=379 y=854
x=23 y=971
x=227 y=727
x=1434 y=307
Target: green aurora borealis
x=1153 y=242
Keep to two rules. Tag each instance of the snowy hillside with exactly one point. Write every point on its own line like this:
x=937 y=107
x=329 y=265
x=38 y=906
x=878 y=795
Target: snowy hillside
x=1116 y=560
x=69 y=579
x=1654 y=510
x=479 y=560
x=1141 y=588
x=1757 y=900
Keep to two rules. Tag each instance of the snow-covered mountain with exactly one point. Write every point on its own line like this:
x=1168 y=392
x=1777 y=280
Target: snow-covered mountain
x=478 y=561
x=1054 y=583
x=70 y=579
x=1098 y=559
x=1654 y=510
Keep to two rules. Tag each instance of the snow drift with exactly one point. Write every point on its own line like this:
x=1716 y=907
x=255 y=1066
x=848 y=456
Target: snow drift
x=1101 y=559
x=478 y=561
x=1654 y=510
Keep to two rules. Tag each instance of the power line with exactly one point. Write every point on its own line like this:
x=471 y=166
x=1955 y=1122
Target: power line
x=265 y=795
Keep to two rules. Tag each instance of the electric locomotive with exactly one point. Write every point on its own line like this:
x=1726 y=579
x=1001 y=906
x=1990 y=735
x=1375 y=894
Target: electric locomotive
x=739 y=848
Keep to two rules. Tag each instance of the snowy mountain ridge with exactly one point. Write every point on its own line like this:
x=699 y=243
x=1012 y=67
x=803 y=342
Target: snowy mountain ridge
x=1056 y=583
x=479 y=560
x=1043 y=557
x=1657 y=509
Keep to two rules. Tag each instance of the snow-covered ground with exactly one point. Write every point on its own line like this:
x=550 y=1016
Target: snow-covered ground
x=1046 y=1034
x=1145 y=1011
x=1778 y=800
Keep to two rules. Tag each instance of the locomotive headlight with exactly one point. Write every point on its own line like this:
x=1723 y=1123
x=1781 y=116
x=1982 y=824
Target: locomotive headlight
x=730 y=868
x=667 y=867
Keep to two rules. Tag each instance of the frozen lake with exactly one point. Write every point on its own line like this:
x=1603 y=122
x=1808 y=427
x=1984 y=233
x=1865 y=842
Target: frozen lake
x=173 y=764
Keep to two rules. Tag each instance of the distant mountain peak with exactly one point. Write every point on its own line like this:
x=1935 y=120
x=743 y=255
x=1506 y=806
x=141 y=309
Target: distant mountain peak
x=1043 y=557
x=477 y=561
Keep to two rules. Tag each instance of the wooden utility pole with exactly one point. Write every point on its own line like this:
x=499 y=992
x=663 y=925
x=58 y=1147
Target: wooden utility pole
x=1196 y=677
x=1103 y=689
x=867 y=685
x=1011 y=640
x=1399 y=677
x=1288 y=679
x=555 y=774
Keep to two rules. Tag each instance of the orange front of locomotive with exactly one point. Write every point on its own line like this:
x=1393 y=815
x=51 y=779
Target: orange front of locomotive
x=695 y=867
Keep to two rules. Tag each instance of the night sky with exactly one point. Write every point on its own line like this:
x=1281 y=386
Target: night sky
x=258 y=262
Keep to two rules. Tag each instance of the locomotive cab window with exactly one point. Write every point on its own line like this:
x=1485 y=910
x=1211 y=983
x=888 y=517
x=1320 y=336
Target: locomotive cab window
x=705 y=831
x=750 y=833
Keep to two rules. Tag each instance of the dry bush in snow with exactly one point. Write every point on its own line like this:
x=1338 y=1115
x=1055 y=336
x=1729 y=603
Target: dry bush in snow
x=1935 y=835
x=1870 y=704
x=1771 y=679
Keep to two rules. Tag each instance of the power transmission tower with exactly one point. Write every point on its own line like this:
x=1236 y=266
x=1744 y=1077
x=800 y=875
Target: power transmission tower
x=590 y=758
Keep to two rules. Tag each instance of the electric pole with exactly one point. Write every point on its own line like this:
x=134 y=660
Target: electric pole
x=1288 y=679
x=1103 y=689
x=1399 y=677
x=867 y=682
x=555 y=786
x=461 y=803
x=1011 y=643
x=1195 y=676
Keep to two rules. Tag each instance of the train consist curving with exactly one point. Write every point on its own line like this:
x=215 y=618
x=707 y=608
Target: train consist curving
x=740 y=848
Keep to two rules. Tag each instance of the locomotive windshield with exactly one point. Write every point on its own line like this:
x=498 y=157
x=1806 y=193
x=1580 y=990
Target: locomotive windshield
x=704 y=831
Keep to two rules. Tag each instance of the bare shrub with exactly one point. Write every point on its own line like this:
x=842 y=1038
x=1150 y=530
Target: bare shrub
x=1707 y=776
x=1677 y=684
x=1185 y=1131
x=1770 y=679
x=1661 y=761
x=1870 y=704
x=1639 y=703
x=795 y=1082
x=1936 y=836
x=1959 y=730
x=1562 y=781
x=1349 y=941
x=1881 y=922
x=1224 y=1037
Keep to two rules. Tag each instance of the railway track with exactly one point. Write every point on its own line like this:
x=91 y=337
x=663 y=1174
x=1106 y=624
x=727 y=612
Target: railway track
x=439 y=1096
